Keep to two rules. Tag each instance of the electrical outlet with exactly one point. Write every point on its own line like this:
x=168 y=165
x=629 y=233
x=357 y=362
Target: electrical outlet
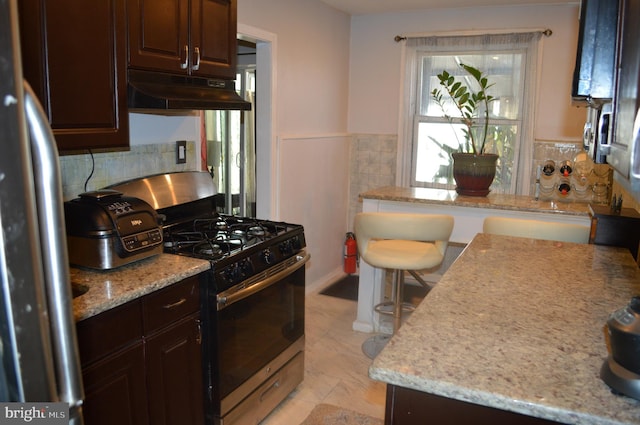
x=181 y=152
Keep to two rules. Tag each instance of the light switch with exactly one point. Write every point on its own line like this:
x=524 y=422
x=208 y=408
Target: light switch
x=181 y=152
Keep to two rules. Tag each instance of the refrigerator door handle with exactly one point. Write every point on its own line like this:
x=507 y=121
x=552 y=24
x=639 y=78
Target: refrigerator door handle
x=48 y=189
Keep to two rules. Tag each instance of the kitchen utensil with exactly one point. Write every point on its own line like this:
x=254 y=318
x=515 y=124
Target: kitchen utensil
x=621 y=370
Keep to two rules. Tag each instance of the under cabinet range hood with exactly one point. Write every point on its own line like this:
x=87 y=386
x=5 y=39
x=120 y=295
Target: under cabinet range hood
x=156 y=90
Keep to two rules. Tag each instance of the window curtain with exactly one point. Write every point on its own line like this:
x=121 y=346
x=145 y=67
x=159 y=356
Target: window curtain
x=528 y=42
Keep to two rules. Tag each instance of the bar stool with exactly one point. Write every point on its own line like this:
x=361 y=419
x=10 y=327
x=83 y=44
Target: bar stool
x=536 y=229
x=400 y=241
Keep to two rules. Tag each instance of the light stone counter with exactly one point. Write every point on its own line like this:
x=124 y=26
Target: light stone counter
x=419 y=195
x=111 y=288
x=518 y=324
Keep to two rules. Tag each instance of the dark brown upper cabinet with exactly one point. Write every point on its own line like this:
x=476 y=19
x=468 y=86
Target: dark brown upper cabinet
x=188 y=37
x=74 y=56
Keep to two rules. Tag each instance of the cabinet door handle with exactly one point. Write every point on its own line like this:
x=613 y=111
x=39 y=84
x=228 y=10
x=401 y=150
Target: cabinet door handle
x=185 y=63
x=587 y=135
x=199 y=330
x=175 y=304
x=271 y=387
x=196 y=61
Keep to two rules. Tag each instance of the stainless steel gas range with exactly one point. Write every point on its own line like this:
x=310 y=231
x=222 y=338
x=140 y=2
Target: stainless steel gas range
x=253 y=299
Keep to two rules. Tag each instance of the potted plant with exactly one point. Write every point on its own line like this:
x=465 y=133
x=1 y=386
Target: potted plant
x=473 y=168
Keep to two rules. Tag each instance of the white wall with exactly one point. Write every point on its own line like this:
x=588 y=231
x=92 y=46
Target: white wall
x=312 y=62
x=374 y=85
x=310 y=98
x=147 y=129
x=315 y=193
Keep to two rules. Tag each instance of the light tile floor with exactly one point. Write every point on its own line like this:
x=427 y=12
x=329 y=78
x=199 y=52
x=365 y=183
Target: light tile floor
x=336 y=370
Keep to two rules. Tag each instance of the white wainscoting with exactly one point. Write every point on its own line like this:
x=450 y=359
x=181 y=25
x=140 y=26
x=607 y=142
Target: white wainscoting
x=313 y=190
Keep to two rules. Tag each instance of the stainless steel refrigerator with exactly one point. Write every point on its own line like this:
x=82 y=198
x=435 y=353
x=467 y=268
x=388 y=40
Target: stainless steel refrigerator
x=625 y=150
x=38 y=346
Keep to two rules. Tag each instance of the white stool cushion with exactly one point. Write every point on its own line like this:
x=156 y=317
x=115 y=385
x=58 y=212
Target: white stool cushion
x=403 y=255
x=403 y=241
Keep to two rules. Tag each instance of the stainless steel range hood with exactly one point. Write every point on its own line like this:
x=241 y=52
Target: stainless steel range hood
x=156 y=90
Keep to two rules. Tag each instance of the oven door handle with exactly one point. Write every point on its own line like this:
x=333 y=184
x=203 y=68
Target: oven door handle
x=244 y=289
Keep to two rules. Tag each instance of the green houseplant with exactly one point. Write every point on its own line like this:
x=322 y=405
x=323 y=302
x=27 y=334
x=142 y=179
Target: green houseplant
x=473 y=168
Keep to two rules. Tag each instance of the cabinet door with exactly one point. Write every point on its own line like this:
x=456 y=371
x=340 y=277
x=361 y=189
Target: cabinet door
x=159 y=35
x=174 y=374
x=213 y=36
x=74 y=56
x=115 y=391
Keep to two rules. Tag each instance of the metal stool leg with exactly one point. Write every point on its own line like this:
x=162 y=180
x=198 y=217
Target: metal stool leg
x=399 y=299
x=396 y=305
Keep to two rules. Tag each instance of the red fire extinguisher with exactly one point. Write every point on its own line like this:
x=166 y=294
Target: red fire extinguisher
x=350 y=253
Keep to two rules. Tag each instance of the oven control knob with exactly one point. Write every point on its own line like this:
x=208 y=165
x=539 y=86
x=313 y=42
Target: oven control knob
x=286 y=247
x=239 y=271
x=232 y=273
x=268 y=257
x=246 y=268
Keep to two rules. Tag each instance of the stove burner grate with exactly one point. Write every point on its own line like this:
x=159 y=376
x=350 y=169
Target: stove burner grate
x=220 y=236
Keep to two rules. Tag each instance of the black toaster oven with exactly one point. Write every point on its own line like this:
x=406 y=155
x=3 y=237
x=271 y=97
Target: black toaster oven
x=106 y=230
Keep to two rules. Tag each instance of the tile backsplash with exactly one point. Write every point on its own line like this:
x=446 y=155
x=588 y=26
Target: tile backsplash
x=372 y=165
x=115 y=167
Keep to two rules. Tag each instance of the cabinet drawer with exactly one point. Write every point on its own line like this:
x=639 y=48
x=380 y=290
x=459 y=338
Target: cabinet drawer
x=109 y=331
x=170 y=304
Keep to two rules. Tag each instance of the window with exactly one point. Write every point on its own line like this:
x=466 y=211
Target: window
x=510 y=63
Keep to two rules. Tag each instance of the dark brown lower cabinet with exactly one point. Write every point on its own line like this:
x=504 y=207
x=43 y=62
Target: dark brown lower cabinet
x=174 y=374
x=115 y=389
x=410 y=407
x=142 y=361
x=616 y=228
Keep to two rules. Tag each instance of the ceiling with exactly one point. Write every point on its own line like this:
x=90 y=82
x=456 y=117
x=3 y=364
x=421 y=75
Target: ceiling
x=364 y=7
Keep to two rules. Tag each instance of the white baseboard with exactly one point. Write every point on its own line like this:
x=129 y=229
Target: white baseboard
x=319 y=284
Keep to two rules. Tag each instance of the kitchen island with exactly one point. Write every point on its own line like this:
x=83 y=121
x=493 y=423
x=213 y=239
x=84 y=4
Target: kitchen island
x=514 y=327
x=106 y=289
x=469 y=213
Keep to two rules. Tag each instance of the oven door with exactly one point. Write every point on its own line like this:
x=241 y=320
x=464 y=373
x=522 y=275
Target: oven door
x=250 y=327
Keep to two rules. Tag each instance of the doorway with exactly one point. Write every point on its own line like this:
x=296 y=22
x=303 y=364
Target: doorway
x=263 y=120
x=231 y=143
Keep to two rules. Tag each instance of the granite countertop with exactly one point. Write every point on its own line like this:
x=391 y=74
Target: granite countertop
x=518 y=324
x=492 y=201
x=111 y=288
